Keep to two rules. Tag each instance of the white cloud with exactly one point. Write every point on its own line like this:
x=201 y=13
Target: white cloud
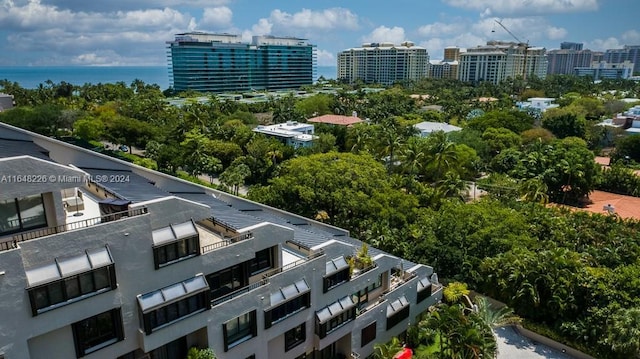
x=556 y=33
x=439 y=28
x=522 y=7
x=385 y=34
x=327 y=19
x=631 y=37
x=325 y=58
x=603 y=44
x=217 y=17
x=115 y=5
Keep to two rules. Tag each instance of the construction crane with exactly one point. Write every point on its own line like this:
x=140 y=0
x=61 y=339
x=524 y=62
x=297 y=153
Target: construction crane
x=520 y=43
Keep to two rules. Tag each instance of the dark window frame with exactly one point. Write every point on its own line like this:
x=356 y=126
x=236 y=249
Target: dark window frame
x=224 y=281
x=175 y=311
x=262 y=261
x=287 y=309
x=85 y=345
x=398 y=317
x=295 y=336
x=336 y=322
x=21 y=224
x=65 y=296
x=331 y=281
x=424 y=293
x=368 y=334
x=241 y=335
x=176 y=251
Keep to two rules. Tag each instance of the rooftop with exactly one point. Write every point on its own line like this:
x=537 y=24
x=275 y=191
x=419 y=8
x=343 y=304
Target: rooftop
x=336 y=120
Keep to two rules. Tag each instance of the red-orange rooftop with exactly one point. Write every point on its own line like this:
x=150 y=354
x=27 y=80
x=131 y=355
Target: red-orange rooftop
x=336 y=120
x=623 y=206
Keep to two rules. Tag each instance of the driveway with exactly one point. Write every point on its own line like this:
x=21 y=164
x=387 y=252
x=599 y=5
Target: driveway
x=512 y=345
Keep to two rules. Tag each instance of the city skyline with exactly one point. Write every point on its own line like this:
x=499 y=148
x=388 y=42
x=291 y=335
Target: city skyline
x=72 y=32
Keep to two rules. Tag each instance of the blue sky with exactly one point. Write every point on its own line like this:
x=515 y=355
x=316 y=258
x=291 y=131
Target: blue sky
x=126 y=32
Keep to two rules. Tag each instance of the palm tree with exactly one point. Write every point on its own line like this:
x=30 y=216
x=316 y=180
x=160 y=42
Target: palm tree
x=411 y=157
x=452 y=186
x=388 y=350
x=493 y=317
x=442 y=154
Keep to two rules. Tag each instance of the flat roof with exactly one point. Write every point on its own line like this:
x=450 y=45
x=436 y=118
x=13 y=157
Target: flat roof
x=336 y=120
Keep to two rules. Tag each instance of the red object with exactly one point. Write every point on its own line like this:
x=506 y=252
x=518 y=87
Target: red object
x=406 y=353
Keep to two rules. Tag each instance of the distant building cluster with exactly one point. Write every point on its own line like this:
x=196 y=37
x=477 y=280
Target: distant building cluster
x=223 y=63
x=571 y=58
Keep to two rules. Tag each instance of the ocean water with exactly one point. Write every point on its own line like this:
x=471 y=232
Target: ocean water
x=31 y=77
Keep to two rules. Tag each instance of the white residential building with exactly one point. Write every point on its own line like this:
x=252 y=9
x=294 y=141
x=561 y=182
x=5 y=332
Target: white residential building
x=291 y=133
x=498 y=61
x=100 y=258
x=539 y=103
x=383 y=63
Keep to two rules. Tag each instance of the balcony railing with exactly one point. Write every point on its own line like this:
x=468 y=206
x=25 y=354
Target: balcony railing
x=359 y=272
x=12 y=243
x=241 y=291
x=291 y=265
x=226 y=242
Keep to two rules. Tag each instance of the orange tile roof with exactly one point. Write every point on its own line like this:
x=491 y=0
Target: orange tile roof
x=624 y=206
x=336 y=120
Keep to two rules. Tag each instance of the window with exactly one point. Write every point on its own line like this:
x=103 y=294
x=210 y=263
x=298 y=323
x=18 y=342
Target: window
x=70 y=279
x=334 y=316
x=337 y=272
x=170 y=304
x=424 y=289
x=397 y=311
x=175 y=349
x=368 y=334
x=19 y=214
x=286 y=302
x=239 y=330
x=174 y=243
x=228 y=280
x=262 y=261
x=295 y=337
x=97 y=332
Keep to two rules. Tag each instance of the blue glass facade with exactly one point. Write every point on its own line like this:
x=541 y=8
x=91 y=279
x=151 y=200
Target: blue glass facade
x=222 y=63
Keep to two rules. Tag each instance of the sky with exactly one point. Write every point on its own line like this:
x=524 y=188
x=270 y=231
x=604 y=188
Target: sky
x=134 y=33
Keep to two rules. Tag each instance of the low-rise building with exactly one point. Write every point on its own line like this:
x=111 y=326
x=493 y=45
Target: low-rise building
x=605 y=70
x=291 y=133
x=6 y=102
x=538 y=103
x=151 y=265
x=426 y=128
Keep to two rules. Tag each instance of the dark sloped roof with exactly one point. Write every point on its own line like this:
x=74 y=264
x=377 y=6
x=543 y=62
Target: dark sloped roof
x=126 y=184
x=13 y=148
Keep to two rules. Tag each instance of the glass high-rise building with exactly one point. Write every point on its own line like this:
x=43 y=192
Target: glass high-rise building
x=224 y=63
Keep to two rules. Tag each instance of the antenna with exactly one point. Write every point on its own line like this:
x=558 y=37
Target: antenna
x=520 y=43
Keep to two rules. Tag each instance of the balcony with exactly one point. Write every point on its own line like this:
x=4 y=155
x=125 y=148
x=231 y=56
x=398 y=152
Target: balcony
x=396 y=281
x=12 y=242
x=211 y=241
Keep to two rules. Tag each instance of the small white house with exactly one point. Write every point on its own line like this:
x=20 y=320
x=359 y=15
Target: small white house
x=426 y=128
x=540 y=103
x=291 y=133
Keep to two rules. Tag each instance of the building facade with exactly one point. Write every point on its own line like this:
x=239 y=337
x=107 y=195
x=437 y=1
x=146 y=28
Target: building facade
x=217 y=63
x=605 y=70
x=564 y=61
x=148 y=266
x=448 y=67
x=499 y=60
x=383 y=63
x=630 y=53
